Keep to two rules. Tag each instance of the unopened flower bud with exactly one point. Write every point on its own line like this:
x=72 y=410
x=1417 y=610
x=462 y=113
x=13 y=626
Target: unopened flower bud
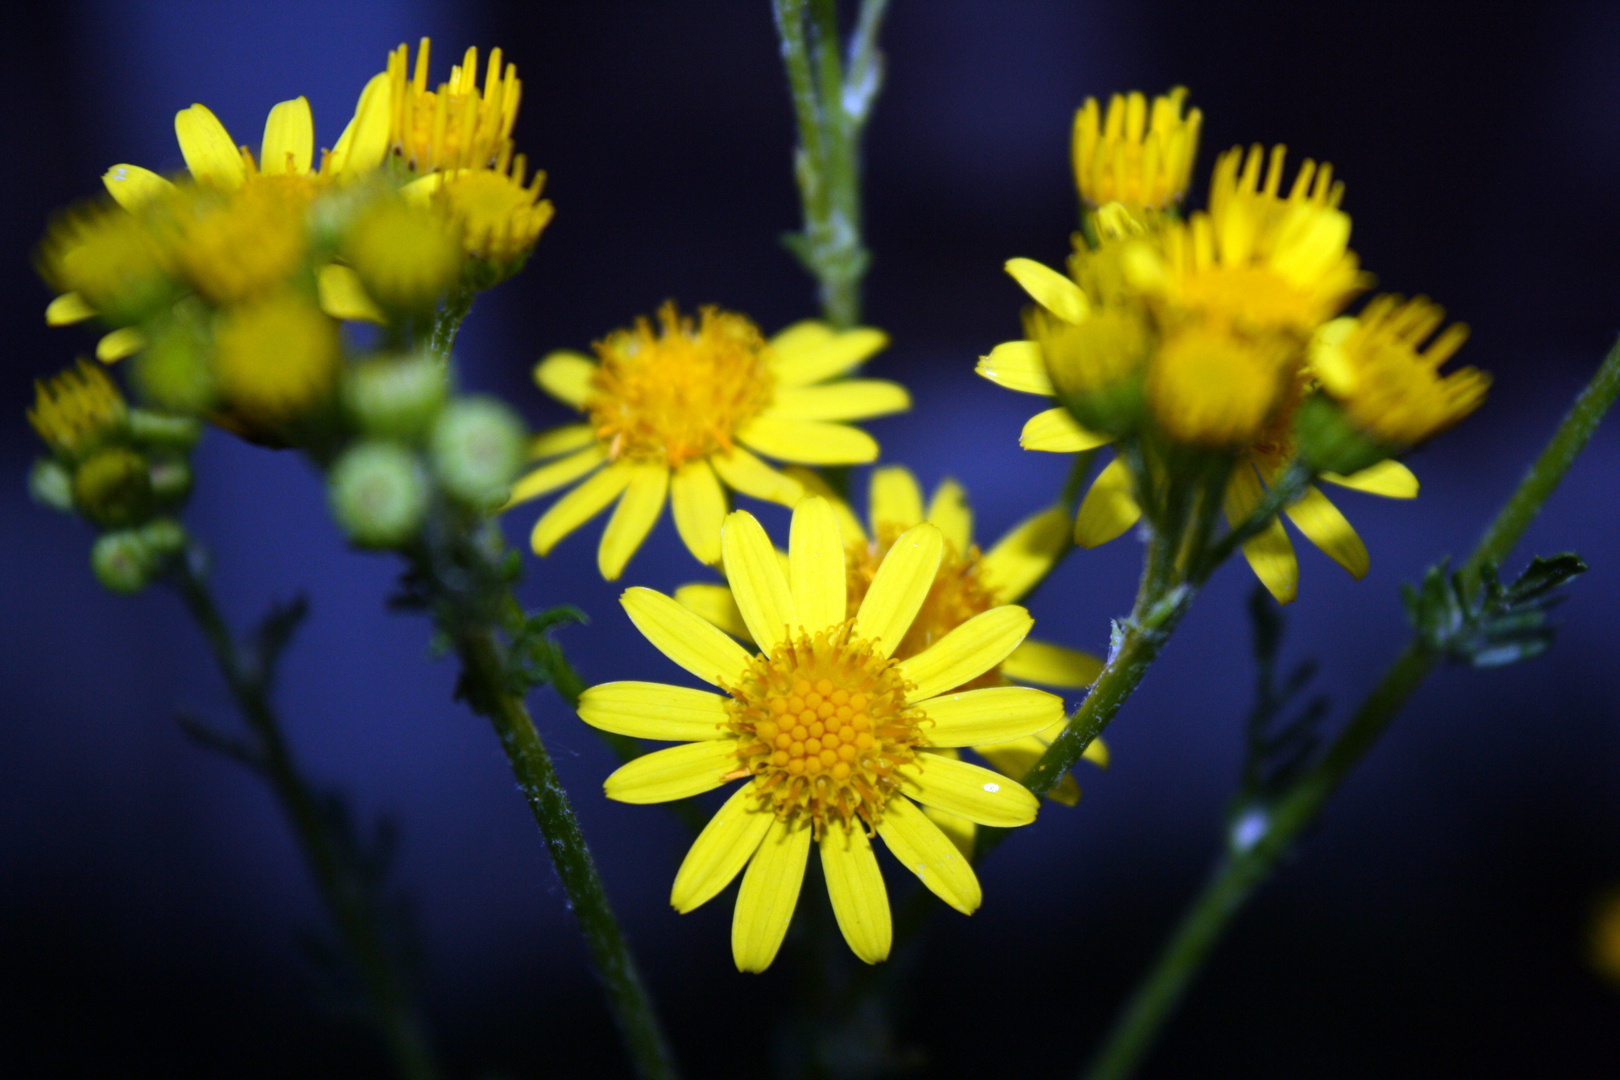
x=163 y=537
x=1330 y=441
x=171 y=479
x=51 y=484
x=396 y=397
x=378 y=493
x=406 y=256
x=164 y=431
x=173 y=371
x=477 y=447
x=122 y=561
x=112 y=487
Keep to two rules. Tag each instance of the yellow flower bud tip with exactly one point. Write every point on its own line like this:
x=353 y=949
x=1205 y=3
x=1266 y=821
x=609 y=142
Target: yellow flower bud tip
x=1378 y=369
x=378 y=493
x=78 y=410
x=111 y=259
x=454 y=126
x=500 y=216
x=234 y=245
x=1136 y=153
x=406 y=256
x=275 y=361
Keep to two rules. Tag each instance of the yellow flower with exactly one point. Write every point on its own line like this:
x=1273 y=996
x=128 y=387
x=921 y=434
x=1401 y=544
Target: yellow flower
x=77 y=410
x=454 y=126
x=406 y=257
x=1136 y=154
x=833 y=736
x=499 y=216
x=968 y=583
x=1391 y=388
x=275 y=361
x=676 y=411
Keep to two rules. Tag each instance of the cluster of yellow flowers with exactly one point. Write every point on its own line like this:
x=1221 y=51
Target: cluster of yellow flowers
x=230 y=282
x=1222 y=332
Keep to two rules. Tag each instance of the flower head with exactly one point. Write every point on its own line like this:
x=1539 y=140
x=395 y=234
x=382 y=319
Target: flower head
x=499 y=216
x=77 y=411
x=275 y=360
x=1136 y=153
x=832 y=734
x=675 y=410
x=455 y=126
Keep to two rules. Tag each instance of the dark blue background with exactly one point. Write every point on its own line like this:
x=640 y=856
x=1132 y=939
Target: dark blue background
x=150 y=895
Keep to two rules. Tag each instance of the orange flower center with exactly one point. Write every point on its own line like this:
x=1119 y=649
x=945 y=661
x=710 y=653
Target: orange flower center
x=822 y=726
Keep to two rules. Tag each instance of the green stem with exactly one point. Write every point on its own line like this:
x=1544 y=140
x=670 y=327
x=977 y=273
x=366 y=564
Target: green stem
x=442 y=334
x=1243 y=868
x=484 y=670
x=831 y=104
x=342 y=885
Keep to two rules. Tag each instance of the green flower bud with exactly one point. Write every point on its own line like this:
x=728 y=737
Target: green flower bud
x=1330 y=441
x=163 y=537
x=379 y=494
x=173 y=371
x=171 y=478
x=112 y=487
x=477 y=448
x=161 y=430
x=122 y=561
x=396 y=397
x=51 y=484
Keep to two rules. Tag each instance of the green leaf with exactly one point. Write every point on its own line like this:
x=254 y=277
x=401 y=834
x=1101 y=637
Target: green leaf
x=1495 y=625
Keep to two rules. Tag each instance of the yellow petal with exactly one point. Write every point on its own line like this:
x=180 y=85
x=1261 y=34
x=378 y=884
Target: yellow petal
x=67 y=309
x=634 y=517
x=812 y=442
x=849 y=526
x=1327 y=528
x=1027 y=554
x=684 y=636
x=566 y=376
x=1056 y=431
x=556 y=474
x=1096 y=752
x=816 y=565
x=970 y=791
x=649 y=710
x=1109 y=507
x=1388 y=478
x=997 y=714
x=1270 y=553
x=676 y=773
x=960 y=831
x=125 y=341
x=1050 y=289
x=1017 y=365
x=132 y=187
x=207 y=147
x=807 y=353
x=700 y=507
x=951 y=512
x=1051 y=665
x=289 y=139
x=855 y=887
x=560 y=440
x=848 y=399
x=757 y=582
x=895 y=498
x=744 y=472
x=721 y=850
x=364 y=142
x=924 y=850
x=578 y=506
x=342 y=295
x=769 y=893
x=966 y=652
x=899 y=588
x=716 y=604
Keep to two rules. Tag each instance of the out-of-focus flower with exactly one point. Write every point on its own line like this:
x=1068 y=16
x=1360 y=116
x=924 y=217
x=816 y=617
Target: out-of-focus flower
x=675 y=411
x=1137 y=153
x=831 y=734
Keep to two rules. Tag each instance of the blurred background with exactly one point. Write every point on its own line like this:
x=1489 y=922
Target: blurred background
x=152 y=902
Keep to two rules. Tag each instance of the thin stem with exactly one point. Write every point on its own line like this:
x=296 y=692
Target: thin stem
x=1242 y=869
x=342 y=885
x=446 y=323
x=484 y=669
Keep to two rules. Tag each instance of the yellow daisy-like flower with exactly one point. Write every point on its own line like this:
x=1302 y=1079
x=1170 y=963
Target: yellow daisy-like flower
x=499 y=216
x=454 y=126
x=833 y=736
x=77 y=410
x=968 y=583
x=1136 y=153
x=675 y=412
x=1376 y=367
x=275 y=360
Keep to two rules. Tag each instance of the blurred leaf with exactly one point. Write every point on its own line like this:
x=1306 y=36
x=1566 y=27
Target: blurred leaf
x=1501 y=624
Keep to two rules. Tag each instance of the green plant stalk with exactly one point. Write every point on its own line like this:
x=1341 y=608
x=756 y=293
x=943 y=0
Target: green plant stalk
x=1241 y=871
x=831 y=107
x=339 y=883
x=484 y=667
